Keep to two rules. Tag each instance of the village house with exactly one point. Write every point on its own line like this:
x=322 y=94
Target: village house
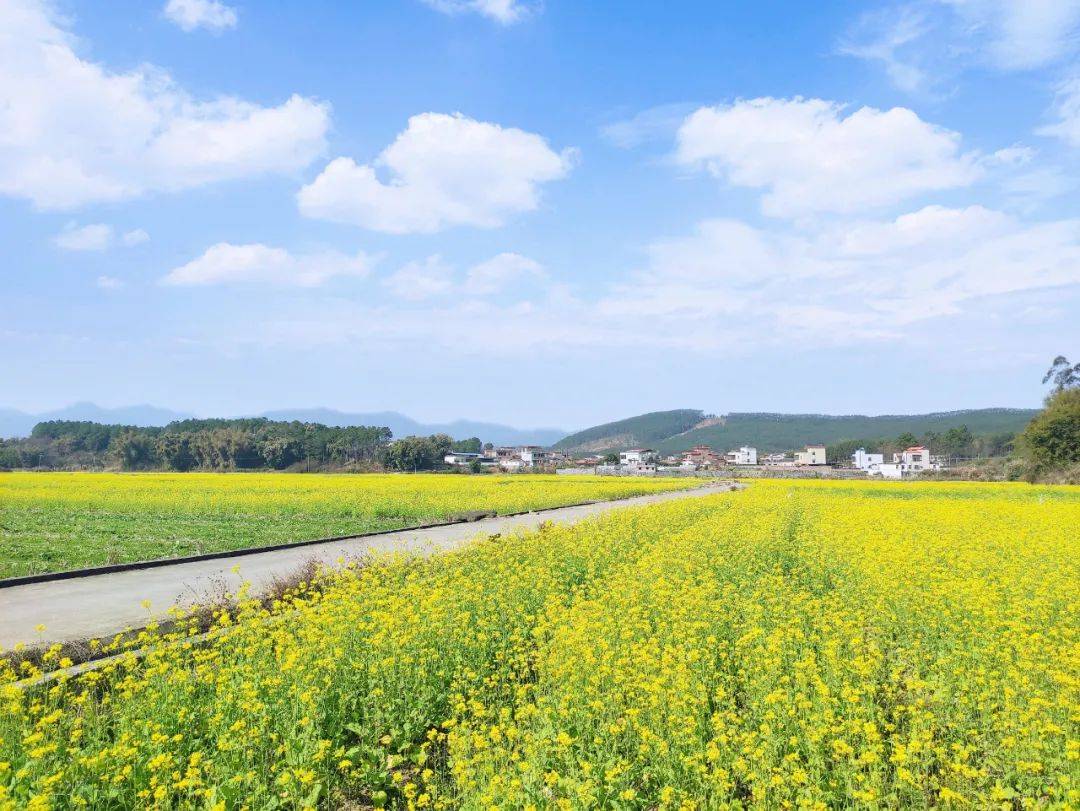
x=526 y=457
x=534 y=456
x=867 y=461
x=813 y=455
x=909 y=462
x=915 y=459
x=701 y=457
x=638 y=461
x=462 y=458
x=743 y=456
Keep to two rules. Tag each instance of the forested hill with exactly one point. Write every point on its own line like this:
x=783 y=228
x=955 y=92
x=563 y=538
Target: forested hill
x=15 y=423
x=647 y=429
x=679 y=430
x=252 y=443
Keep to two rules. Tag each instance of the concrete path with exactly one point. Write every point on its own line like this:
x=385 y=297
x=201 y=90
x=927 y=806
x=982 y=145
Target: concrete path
x=104 y=604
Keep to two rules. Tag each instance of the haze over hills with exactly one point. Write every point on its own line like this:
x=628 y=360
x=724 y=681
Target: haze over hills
x=402 y=425
x=14 y=423
x=679 y=430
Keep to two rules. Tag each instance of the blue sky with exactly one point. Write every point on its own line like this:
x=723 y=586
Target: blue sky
x=550 y=213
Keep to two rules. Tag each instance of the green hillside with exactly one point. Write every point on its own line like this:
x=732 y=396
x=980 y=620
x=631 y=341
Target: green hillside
x=781 y=432
x=646 y=429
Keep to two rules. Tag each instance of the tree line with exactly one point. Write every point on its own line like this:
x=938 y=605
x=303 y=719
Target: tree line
x=1047 y=450
x=225 y=444
x=955 y=443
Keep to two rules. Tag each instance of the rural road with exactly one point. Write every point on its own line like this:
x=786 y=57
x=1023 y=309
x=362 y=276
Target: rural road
x=103 y=604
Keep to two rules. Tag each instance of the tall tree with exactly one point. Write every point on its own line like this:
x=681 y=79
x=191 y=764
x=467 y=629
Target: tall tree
x=1062 y=374
x=957 y=441
x=906 y=440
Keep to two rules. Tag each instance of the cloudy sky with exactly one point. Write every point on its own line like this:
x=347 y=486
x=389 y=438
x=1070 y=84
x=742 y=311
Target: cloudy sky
x=549 y=212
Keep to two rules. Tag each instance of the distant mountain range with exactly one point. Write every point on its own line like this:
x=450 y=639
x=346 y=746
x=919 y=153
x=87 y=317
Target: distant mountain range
x=679 y=430
x=15 y=423
x=19 y=423
x=666 y=431
x=402 y=425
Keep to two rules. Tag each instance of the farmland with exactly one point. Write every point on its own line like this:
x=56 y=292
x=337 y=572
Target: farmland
x=55 y=521
x=796 y=644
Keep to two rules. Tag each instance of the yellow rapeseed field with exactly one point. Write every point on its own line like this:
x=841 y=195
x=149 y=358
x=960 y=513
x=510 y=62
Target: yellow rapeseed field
x=792 y=645
x=53 y=521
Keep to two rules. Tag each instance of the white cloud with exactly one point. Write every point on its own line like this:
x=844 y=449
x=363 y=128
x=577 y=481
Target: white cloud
x=729 y=287
x=808 y=157
x=844 y=283
x=226 y=263
x=1021 y=34
x=209 y=14
x=1025 y=183
x=1011 y=156
x=885 y=37
x=653 y=124
x=512 y=274
x=109 y=283
x=444 y=170
x=1067 y=112
x=924 y=43
x=503 y=11
x=73 y=132
x=500 y=272
x=417 y=281
x=96 y=237
x=134 y=237
x=1029 y=189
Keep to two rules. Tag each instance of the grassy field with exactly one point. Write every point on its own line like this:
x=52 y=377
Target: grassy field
x=55 y=521
x=793 y=645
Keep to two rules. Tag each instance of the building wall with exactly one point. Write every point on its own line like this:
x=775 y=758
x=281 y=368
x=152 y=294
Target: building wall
x=811 y=456
x=864 y=461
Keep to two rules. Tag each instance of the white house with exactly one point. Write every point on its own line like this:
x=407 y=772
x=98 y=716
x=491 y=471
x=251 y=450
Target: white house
x=908 y=462
x=888 y=471
x=524 y=457
x=638 y=456
x=743 y=456
x=813 y=455
x=461 y=458
x=915 y=459
x=867 y=461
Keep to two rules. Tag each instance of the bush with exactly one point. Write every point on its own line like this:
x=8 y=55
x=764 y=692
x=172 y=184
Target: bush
x=1052 y=440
